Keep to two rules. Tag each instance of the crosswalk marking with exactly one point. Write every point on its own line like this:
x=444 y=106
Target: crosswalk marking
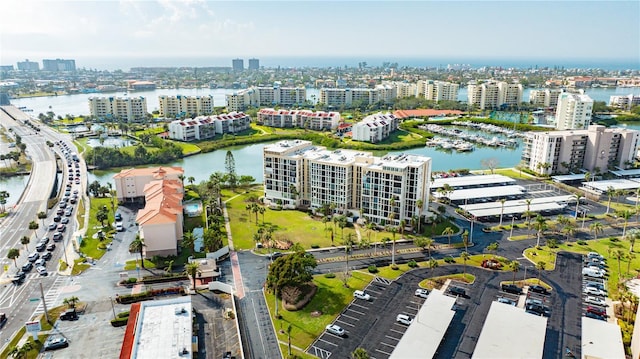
x=50 y=297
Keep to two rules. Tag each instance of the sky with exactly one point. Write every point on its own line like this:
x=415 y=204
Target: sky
x=139 y=32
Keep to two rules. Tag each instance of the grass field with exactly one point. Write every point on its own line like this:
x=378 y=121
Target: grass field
x=89 y=244
x=330 y=299
x=437 y=282
x=474 y=261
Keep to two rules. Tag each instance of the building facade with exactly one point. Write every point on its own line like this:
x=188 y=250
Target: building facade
x=383 y=190
x=494 y=94
x=318 y=121
x=58 y=65
x=385 y=93
x=624 y=102
x=130 y=183
x=181 y=106
x=438 y=90
x=237 y=64
x=546 y=97
x=266 y=96
x=129 y=109
x=254 y=64
x=595 y=149
x=573 y=111
x=207 y=127
x=375 y=128
x=27 y=65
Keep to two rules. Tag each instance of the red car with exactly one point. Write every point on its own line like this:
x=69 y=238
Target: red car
x=597 y=310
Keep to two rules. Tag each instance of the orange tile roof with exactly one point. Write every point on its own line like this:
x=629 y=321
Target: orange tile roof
x=163 y=202
x=156 y=172
x=129 y=335
x=425 y=113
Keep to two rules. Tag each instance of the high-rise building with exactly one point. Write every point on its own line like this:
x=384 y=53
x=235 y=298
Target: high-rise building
x=6 y=68
x=438 y=90
x=58 y=65
x=494 y=94
x=266 y=96
x=546 y=97
x=594 y=149
x=181 y=106
x=573 y=111
x=27 y=65
x=237 y=64
x=380 y=189
x=254 y=64
x=128 y=109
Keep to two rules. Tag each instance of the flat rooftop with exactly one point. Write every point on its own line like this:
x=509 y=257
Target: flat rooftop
x=510 y=332
x=602 y=186
x=601 y=339
x=472 y=180
x=486 y=192
x=428 y=328
x=551 y=206
x=625 y=173
x=163 y=329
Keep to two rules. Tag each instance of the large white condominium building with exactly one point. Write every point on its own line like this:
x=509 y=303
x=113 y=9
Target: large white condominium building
x=438 y=90
x=494 y=94
x=594 y=149
x=206 y=127
x=383 y=190
x=624 y=102
x=185 y=106
x=129 y=109
x=266 y=96
x=403 y=89
x=375 y=128
x=299 y=118
x=573 y=111
x=546 y=97
x=347 y=97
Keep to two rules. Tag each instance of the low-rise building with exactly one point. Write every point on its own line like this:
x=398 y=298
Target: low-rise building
x=375 y=128
x=545 y=97
x=319 y=120
x=347 y=97
x=624 y=102
x=129 y=109
x=207 y=127
x=181 y=106
x=130 y=183
x=266 y=96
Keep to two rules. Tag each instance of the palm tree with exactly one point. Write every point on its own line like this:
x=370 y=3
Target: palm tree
x=70 y=302
x=419 y=204
x=22 y=351
x=25 y=242
x=14 y=253
x=595 y=228
x=619 y=254
x=448 y=232
x=610 y=192
x=42 y=215
x=169 y=266
x=502 y=201
x=465 y=257
x=137 y=246
x=493 y=248
x=33 y=225
x=433 y=264
x=570 y=229
x=577 y=197
x=514 y=266
x=540 y=226
x=192 y=269
x=465 y=239
x=393 y=230
x=428 y=243
x=189 y=241
x=359 y=353
x=633 y=235
x=540 y=266
x=347 y=249
x=191 y=180
x=528 y=213
x=625 y=215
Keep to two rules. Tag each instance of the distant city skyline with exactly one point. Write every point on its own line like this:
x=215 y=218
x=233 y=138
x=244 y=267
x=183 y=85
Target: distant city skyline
x=113 y=34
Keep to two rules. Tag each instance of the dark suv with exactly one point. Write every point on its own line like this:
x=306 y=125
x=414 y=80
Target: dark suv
x=69 y=314
x=457 y=291
x=538 y=289
x=511 y=288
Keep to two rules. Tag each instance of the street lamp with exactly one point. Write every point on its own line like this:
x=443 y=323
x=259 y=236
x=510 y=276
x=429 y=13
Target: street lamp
x=112 y=308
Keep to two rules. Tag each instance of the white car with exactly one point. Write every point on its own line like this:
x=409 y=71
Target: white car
x=594 y=291
x=595 y=301
x=422 y=293
x=595 y=255
x=361 y=295
x=335 y=329
x=41 y=270
x=506 y=301
x=404 y=319
x=594 y=273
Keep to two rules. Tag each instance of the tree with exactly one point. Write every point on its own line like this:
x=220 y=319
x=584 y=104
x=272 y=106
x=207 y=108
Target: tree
x=610 y=192
x=348 y=243
x=360 y=353
x=41 y=216
x=3 y=196
x=502 y=201
x=540 y=266
x=137 y=246
x=540 y=227
x=289 y=337
x=596 y=228
x=493 y=248
x=465 y=239
x=577 y=197
x=490 y=163
x=169 y=266
x=70 y=302
x=424 y=243
x=448 y=232
x=22 y=351
x=33 y=225
x=514 y=266
x=465 y=257
x=191 y=180
x=189 y=241
x=291 y=270
x=230 y=167
x=419 y=204
x=192 y=269
x=625 y=215
x=633 y=235
x=94 y=188
x=102 y=215
x=619 y=255
x=14 y=253
x=393 y=230
x=212 y=239
x=25 y=242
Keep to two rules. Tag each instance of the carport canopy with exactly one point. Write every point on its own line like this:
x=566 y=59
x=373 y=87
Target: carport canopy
x=601 y=339
x=510 y=332
x=428 y=328
x=616 y=184
x=516 y=209
x=472 y=180
x=627 y=173
x=568 y=178
x=519 y=202
x=487 y=192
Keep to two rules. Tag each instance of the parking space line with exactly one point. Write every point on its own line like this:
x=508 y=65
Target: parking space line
x=389 y=345
x=324 y=354
x=397 y=331
x=383 y=352
x=328 y=342
x=350 y=317
x=390 y=337
x=345 y=323
x=359 y=306
x=355 y=311
x=416 y=303
x=368 y=289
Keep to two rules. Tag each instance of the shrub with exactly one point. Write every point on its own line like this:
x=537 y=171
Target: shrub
x=395 y=267
x=373 y=269
x=119 y=322
x=330 y=275
x=132 y=280
x=412 y=264
x=582 y=243
x=315 y=246
x=449 y=259
x=123 y=314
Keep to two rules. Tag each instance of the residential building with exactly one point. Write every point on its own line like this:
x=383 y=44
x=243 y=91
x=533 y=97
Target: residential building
x=375 y=128
x=624 y=102
x=181 y=106
x=237 y=64
x=142 y=86
x=6 y=68
x=404 y=89
x=130 y=183
x=206 y=127
x=160 y=221
x=242 y=100
x=318 y=121
x=254 y=64
x=58 y=65
x=494 y=94
x=299 y=174
x=27 y=65
x=545 y=97
x=266 y=96
x=594 y=149
x=129 y=109
x=573 y=111
x=347 y=97
x=438 y=90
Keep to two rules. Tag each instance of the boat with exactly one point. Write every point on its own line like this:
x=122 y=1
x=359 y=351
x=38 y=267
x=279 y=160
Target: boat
x=464 y=146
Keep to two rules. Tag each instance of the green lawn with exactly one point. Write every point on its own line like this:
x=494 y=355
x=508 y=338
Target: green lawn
x=299 y=354
x=89 y=244
x=133 y=263
x=330 y=299
x=437 y=282
x=474 y=261
x=187 y=148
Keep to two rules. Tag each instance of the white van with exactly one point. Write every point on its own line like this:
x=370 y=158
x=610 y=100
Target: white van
x=592 y=272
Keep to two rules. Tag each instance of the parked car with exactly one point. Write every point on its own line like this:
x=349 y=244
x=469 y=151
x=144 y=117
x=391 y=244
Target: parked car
x=52 y=226
x=595 y=316
x=274 y=255
x=69 y=314
x=120 y=228
x=594 y=291
x=457 y=291
x=65 y=220
x=404 y=319
x=61 y=228
x=506 y=301
x=46 y=256
x=594 y=285
x=595 y=255
x=55 y=343
x=335 y=329
x=51 y=247
x=118 y=217
x=537 y=309
x=42 y=271
x=511 y=288
x=538 y=289
x=361 y=295
x=57 y=237
x=57 y=218
x=594 y=273
x=597 y=310
x=27 y=267
x=40 y=247
x=40 y=263
x=422 y=293
x=33 y=257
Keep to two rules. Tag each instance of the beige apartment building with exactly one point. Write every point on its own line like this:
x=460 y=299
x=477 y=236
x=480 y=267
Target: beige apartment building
x=595 y=149
x=266 y=96
x=346 y=97
x=185 y=106
x=573 y=111
x=375 y=128
x=300 y=174
x=129 y=109
x=318 y=121
x=494 y=94
x=546 y=97
x=130 y=183
x=438 y=90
